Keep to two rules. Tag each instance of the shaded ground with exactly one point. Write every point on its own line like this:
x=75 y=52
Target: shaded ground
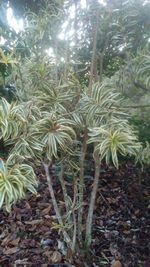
x=121 y=223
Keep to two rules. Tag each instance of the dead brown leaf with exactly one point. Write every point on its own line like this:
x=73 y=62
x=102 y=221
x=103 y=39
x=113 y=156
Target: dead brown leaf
x=126 y=232
x=6 y=240
x=116 y=264
x=56 y=257
x=33 y=222
x=27 y=205
x=23 y=261
x=46 y=210
x=10 y=251
x=15 y=242
x=4 y=234
x=47 y=216
x=48 y=254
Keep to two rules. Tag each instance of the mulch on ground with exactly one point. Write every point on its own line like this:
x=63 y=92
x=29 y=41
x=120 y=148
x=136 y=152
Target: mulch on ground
x=121 y=223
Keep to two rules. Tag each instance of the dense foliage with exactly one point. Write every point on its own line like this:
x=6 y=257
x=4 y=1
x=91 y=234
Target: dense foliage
x=69 y=93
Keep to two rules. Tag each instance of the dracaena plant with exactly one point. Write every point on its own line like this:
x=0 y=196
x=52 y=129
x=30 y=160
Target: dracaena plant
x=106 y=126
x=111 y=140
x=56 y=128
x=16 y=177
x=51 y=139
x=11 y=118
x=15 y=180
x=55 y=133
x=63 y=116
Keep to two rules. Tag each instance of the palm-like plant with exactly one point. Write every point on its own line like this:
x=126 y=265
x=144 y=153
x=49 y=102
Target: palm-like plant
x=15 y=176
x=12 y=117
x=47 y=135
x=15 y=180
x=55 y=133
x=144 y=155
x=98 y=115
x=95 y=115
x=7 y=59
x=27 y=146
x=113 y=139
x=100 y=100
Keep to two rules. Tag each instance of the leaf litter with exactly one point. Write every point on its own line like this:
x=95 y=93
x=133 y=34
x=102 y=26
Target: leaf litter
x=121 y=223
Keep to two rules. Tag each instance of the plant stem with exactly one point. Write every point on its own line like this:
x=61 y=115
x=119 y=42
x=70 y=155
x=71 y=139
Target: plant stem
x=62 y=181
x=92 y=200
x=101 y=68
x=74 y=217
x=74 y=232
x=93 y=76
x=81 y=184
x=75 y=34
x=56 y=66
x=55 y=205
x=67 y=57
x=93 y=70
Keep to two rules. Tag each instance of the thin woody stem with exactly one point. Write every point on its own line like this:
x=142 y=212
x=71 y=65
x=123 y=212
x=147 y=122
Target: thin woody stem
x=81 y=184
x=92 y=200
x=63 y=185
x=74 y=217
x=55 y=205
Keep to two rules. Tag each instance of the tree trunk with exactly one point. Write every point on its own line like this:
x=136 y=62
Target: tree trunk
x=92 y=200
x=75 y=34
x=56 y=65
x=93 y=76
x=93 y=70
x=81 y=184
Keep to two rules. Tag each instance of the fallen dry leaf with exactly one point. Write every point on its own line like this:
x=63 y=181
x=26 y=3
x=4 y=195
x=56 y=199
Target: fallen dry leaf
x=33 y=222
x=28 y=243
x=47 y=216
x=6 y=240
x=27 y=205
x=56 y=257
x=46 y=210
x=116 y=264
x=4 y=234
x=23 y=261
x=15 y=242
x=48 y=254
x=120 y=219
x=10 y=251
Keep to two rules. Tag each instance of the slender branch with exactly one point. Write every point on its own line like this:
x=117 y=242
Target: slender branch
x=74 y=217
x=63 y=185
x=101 y=67
x=92 y=200
x=137 y=106
x=67 y=56
x=55 y=205
x=94 y=51
x=96 y=156
x=21 y=79
x=56 y=66
x=74 y=232
x=81 y=183
x=75 y=33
